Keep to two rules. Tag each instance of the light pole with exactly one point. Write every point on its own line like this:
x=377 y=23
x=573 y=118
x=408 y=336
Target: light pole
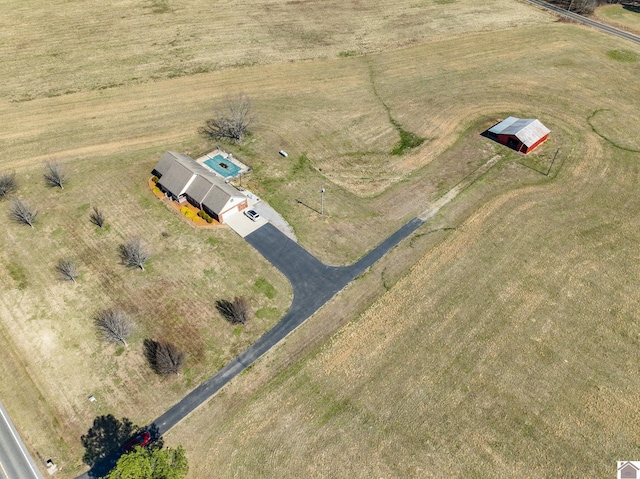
x=322 y=201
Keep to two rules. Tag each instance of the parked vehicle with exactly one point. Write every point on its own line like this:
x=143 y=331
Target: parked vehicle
x=140 y=440
x=252 y=215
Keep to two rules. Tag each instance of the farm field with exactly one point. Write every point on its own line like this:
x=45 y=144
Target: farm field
x=107 y=107
x=626 y=17
x=55 y=48
x=511 y=348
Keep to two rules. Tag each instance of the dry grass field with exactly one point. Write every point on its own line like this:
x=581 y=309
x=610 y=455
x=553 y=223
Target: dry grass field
x=488 y=317
x=511 y=348
x=56 y=47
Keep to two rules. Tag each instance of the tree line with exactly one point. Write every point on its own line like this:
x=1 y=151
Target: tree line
x=588 y=6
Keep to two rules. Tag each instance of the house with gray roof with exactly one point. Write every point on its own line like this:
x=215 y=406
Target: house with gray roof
x=183 y=179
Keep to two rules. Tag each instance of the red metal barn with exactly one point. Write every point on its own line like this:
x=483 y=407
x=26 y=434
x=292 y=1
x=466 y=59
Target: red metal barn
x=521 y=134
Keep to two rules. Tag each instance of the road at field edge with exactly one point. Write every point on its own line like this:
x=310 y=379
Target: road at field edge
x=586 y=21
x=15 y=461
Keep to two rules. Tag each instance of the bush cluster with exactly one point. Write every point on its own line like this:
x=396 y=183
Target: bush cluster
x=205 y=216
x=187 y=212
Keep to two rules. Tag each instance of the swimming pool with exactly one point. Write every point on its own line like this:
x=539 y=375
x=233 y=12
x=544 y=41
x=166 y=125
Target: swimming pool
x=222 y=166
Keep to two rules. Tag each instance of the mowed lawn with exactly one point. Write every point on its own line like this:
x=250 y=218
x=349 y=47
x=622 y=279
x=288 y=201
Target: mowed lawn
x=102 y=90
x=511 y=348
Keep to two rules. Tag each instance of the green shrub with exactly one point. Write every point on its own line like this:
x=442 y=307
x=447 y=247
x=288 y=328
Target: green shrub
x=156 y=190
x=155 y=179
x=189 y=213
x=205 y=216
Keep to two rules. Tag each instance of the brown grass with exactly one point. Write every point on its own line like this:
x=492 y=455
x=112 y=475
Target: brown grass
x=53 y=48
x=326 y=114
x=49 y=322
x=510 y=348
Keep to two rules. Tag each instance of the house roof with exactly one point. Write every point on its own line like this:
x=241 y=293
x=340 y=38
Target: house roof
x=177 y=177
x=181 y=174
x=221 y=195
x=168 y=159
x=528 y=130
x=199 y=188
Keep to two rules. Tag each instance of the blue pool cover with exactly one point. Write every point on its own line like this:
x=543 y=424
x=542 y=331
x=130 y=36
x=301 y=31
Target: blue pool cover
x=222 y=166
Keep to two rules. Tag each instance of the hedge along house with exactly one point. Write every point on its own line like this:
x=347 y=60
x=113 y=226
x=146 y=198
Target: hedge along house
x=520 y=134
x=183 y=179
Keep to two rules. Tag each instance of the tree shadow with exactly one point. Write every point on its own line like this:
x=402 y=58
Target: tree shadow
x=225 y=308
x=151 y=349
x=106 y=435
x=492 y=136
x=106 y=438
x=163 y=357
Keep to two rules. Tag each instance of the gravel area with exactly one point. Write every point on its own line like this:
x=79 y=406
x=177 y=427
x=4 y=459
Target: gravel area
x=271 y=215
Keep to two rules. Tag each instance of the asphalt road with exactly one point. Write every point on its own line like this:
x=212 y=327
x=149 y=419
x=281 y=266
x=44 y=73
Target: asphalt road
x=586 y=21
x=15 y=461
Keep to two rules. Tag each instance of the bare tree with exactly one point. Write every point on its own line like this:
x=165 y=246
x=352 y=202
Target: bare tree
x=231 y=122
x=22 y=212
x=7 y=185
x=114 y=325
x=68 y=269
x=54 y=175
x=163 y=357
x=97 y=217
x=236 y=311
x=134 y=254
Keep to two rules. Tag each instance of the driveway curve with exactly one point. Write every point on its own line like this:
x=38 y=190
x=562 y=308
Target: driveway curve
x=313 y=283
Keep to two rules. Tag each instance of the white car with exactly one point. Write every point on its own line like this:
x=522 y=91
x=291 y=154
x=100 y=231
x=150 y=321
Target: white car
x=252 y=215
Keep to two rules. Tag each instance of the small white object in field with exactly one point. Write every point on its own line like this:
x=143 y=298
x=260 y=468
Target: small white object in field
x=283 y=153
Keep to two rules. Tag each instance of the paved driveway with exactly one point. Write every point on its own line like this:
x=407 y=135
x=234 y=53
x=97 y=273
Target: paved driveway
x=313 y=283
x=242 y=225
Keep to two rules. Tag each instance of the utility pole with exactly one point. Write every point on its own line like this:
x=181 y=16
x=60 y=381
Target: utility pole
x=322 y=201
